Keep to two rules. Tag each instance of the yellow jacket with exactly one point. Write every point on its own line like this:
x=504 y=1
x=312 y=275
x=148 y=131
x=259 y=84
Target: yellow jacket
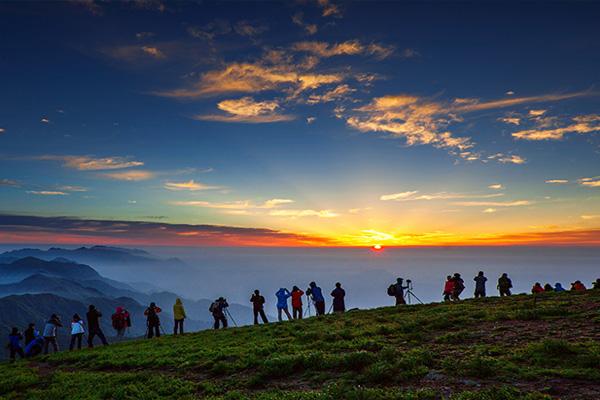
x=178 y=310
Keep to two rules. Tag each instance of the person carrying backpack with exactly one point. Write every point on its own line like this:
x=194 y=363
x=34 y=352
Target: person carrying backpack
x=120 y=321
x=297 y=302
x=316 y=294
x=50 y=333
x=77 y=331
x=480 y=281
x=397 y=290
x=152 y=320
x=504 y=285
x=217 y=308
x=93 y=322
x=258 y=307
x=282 y=304
x=14 y=344
x=459 y=286
x=448 y=288
x=178 y=316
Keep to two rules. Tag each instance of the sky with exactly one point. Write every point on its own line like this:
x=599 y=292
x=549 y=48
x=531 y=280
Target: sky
x=307 y=123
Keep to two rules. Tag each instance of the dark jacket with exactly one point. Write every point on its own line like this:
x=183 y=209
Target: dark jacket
x=218 y=308
x=93 y=320
x=258 y=301
x=338 y=295
x=151 y=314
x=480 y=283
x=29 y=335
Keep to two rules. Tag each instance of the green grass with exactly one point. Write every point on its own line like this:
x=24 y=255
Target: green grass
x=492 y=349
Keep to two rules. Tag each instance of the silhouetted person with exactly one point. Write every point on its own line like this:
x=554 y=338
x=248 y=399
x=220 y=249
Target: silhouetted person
x=34 y=347
x=179 y=316
x=480 y=281
x=30 y=334
x=77 y=331
x=504 y=285
x=14 y=344
x=316 y=294
x=93 y=322
x=121 y=320
x=297 y=294
x=338 y=295
x=537 y=288
x=258 y=307
x=558 y=287
x=459 y=286
x=578 y=286
x=548 y=288
x=50 y=333
x=282 y=303
x=217 y=308
x=153 y=320
x=596 y=284
x=448 y=288
x=397 y=290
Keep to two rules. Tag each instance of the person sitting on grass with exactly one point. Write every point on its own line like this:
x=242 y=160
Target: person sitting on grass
x=77 y=331
x=282 y=304
x=152 y=320
x=504 y=285
x=548 y=288
x=537 y=288
x=448 y=288
x=558 y=287
x=50 y=333
x=338 y=294
x=258 y=307
x=578 y=286
x=297 y=294
x=480 y=281
x=14 y=344
x=218 y=309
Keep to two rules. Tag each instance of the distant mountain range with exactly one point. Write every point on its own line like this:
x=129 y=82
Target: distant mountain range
x=37 y=283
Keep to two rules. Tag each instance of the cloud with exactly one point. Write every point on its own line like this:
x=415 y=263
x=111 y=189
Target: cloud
x=69 y=230
x=338 y=93
x=329 y=9
x=517 y=203
x=587 y=217
x=153 y=51
x=507 y=158
x=489 y=210
x=412 y=196
x=47 y=193
x=310 y=120
x=477 y=105
x=234 y=205
x=136 y=53
x=190 y=185
x=2 y=130
x=9 y=182
x=557 y=181
x=272 y=203
x=131 y=176
x=247 y=110
x=590 y=182
x=69 y=188
x=245 y=28
x=347 y=48
x=298 y=19
x=88 y=163
x=45 y=120
x=144 y=35
x=496 y=186
x=511 y=120
x=536 y=113
x=303 y=213
x=580 y=125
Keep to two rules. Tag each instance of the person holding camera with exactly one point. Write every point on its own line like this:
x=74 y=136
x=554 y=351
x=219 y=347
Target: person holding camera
x=258 y=307
x=316 y=294
x=217 y=308
x=397 y=290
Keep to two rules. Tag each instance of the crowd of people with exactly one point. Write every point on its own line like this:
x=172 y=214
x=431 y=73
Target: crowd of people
x=36 y=343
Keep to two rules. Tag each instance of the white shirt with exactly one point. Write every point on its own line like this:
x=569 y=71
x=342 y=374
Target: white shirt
x=77 y=327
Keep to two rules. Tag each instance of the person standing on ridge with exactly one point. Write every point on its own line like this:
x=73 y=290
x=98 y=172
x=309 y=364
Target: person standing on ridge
x=93 y=320
x=218 y=308
x=50 y=333
x=178 y=315
x=397 y=290
x=448 y=288
x=77 y=331
x=480 y=281
x=297 y=302
x=316 y=294
x=537 y=288
x=578 y=286
x=504 y=285
x=258 y=307
x=558 y=287
x=152 y=320
x=14 y=344
x=338 y=294
x=282 y=303
x=459 y=286
x=548 y=288
x=120 y=321
x=30 y=334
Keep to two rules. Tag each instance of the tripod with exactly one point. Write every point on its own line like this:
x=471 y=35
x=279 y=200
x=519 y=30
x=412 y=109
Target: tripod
x=409 y=295
x=308 y=306
x=230 y=316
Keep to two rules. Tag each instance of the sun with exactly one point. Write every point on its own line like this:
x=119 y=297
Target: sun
x=377 y=247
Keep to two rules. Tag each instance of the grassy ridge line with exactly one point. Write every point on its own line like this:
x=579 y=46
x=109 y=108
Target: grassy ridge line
x=491 y=349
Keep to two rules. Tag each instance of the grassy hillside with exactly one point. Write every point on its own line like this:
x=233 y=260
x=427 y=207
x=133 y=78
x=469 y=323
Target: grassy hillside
x=512 y=348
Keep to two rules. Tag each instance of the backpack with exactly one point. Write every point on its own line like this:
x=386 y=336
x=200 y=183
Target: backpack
x=391 y=291
x=118 y=321
x=213 y=307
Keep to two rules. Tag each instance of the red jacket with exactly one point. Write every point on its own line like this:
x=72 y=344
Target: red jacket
x=537 y=289
x=449 y=286
x=297 y=298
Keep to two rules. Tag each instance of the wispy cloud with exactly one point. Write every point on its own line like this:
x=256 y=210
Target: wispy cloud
x=517 y=203
x=507 y=158
x=477 y=105
x=272 y=203
x=131 y=176
x=190 y=185
x=350 y=47
x=153 y=51
x=71 y=188
x=2 y=130
x=414 y=196
x=338 y=93
x=88 y=163
x=496 y=186
x=580 y=125
x=235 y=205
x=247 y=110
x=590 y=182
x=329 y=9
x=588 y=217
x=298 y=19
x=9 y=182
x=303 y=213
x=47 y=193
x=557 y=181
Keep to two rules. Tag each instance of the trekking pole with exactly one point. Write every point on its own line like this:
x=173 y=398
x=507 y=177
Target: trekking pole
x=229 y=314
x=162 y=330
x=330 y=307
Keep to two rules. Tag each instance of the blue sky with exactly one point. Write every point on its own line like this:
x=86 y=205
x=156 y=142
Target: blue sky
x=340 y=123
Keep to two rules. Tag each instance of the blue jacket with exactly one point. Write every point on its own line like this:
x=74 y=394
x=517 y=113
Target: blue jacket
x=558 y=288
x=317 y=294
x=15 y=341
x=282 y=296
x=37 y=342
